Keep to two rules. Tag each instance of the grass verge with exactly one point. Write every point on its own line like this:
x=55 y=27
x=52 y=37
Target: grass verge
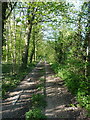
x=11 y=80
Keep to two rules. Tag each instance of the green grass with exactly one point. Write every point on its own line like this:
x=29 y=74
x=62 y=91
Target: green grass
x=38 y=103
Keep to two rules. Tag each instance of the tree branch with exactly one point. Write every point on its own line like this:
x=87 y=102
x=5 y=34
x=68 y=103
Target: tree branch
x=10 y=10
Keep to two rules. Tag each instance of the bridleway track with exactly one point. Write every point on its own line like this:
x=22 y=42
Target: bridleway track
x=59 y=100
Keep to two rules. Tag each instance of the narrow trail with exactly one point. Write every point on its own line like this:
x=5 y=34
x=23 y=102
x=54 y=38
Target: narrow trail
x=18 y=101
x=58 y=98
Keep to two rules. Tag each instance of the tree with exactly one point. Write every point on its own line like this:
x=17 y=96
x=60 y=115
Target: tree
x=38 y=12
x=7 y=8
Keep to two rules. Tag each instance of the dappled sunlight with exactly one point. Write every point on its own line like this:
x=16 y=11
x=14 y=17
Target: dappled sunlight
x=20 y=98
x=58 y=98
x=6 y=111
x=45 y=51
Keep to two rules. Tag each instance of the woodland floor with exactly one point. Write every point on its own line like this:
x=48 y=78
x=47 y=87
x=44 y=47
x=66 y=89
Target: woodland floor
x=59 y=100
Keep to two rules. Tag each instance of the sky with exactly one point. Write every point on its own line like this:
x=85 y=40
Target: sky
x=73 y=1
x=77 y=4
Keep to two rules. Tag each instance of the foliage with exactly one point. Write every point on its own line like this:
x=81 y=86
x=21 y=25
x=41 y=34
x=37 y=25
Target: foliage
x=35 y=114
x=54 y=31
x=38 y=100
x=40 y=86
x=10 y=81
x=75 y=82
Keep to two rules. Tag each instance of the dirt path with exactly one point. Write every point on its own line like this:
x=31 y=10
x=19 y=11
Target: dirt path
x=19 y=100
x=58 y=98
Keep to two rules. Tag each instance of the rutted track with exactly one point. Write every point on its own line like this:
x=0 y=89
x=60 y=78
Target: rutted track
x=19 y=100
x=58 y=98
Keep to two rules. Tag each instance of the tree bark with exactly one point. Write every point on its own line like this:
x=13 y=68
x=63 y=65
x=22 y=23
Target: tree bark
x=25 y=54
x=30 y=24
x=4 y=17
x=88 y=39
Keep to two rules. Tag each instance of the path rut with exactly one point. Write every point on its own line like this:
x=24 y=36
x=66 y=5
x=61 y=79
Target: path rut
x=58 y=98
x=18 y=101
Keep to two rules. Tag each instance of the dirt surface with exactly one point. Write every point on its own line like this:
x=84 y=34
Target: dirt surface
x=59 y=100
x=60 y=103
x=18 y=101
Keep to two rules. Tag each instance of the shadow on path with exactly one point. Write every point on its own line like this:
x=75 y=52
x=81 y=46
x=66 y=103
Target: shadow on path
x=18 y=101
x=58 y=98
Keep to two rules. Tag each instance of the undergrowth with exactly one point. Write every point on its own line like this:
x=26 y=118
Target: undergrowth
x=74 y=79
x=35 y=114
x=38 y=102
x=11 y=79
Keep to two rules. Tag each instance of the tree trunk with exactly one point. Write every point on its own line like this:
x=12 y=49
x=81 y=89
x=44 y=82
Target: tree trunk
x=31 y=56
x=4 y=7
x=33 y=49
x=4 y=17
x=88 y=39
x=25 y=53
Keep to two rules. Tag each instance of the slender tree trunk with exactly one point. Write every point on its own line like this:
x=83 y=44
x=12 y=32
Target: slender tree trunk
x=25 y=54
x=31 y=56
x=34 y=45
x=88 y=40
x=4 y=7
x=19 y=56
x=33 y=49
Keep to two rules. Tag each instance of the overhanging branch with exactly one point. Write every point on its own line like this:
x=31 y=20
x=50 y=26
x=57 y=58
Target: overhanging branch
x=10 y=10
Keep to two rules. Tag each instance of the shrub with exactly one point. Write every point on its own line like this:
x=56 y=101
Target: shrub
x=72 y=74
x=84 y=99
x=35 y=114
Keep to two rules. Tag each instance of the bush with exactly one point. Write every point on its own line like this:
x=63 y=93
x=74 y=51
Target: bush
x=35 y=114
x=75 y=80
x=84 y=99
